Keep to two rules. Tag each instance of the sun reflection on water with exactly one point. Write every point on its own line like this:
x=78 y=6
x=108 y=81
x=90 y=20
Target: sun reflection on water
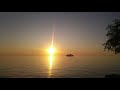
x=50 y=65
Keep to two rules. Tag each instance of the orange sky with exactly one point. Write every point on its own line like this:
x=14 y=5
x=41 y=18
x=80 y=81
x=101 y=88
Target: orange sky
x=79 y=33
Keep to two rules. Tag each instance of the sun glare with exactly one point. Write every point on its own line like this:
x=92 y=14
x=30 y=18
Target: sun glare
x=51 y=50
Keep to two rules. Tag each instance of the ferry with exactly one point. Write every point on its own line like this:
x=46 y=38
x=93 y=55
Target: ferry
x=69 y=55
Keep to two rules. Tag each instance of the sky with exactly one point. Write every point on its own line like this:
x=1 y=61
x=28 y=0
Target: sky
x=81 y=33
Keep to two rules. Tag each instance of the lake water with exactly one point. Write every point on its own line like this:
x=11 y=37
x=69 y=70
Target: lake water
x=58 y=66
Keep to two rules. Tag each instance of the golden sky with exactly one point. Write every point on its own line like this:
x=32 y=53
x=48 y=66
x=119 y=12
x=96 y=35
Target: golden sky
x=80 y=33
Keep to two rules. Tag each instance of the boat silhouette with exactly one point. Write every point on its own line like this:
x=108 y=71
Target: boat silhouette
x=69 y=55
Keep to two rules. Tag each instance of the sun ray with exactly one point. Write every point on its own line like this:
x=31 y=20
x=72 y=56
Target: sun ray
x=51 y=51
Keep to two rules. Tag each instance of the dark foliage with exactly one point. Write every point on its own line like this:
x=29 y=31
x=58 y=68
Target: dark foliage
x=113 y=37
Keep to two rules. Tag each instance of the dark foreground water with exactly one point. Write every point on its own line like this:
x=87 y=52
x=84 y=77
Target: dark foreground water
x=58 y=66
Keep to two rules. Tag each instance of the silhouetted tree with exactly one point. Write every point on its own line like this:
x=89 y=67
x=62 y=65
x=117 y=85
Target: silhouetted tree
x=113 y=37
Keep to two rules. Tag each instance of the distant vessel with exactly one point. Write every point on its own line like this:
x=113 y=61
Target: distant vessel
x=69 y=55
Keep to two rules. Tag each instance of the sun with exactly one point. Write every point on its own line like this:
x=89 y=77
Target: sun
x=51 y=50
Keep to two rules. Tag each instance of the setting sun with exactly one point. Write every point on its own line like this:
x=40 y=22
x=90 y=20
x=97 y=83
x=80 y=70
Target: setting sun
x=51 y=50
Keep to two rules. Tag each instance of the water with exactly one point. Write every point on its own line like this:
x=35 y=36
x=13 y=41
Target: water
x=58 y=66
